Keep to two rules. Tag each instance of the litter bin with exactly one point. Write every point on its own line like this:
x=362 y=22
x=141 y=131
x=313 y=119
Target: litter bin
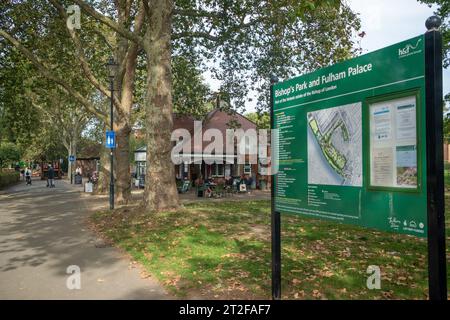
x=88 y=187
x=262 y=185
x=200 y=192
x=78 y=179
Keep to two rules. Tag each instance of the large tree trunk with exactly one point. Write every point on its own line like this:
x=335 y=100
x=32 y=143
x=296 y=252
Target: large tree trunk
x=72 y=151
x=103 y=178
x=122 y=163
x=125 y=54
x=160 y=187
x=122 y=176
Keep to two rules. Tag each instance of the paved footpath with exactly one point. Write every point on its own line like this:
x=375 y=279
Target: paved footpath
x=42 y=233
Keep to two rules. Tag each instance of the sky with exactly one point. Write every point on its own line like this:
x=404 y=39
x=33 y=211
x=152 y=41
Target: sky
x=385 y=22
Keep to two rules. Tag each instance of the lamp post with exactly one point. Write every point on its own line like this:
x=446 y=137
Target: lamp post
x=112 y=69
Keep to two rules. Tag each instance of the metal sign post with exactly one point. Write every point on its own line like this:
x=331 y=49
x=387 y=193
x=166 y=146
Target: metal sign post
x=111 y=144
x=276 y=217
x=437 y=273
x=72 y=161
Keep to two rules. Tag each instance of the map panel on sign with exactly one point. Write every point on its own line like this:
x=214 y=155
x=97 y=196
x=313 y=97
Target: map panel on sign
x=335 y=146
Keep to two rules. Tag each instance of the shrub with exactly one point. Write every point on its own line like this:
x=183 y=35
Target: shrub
x=8 y=178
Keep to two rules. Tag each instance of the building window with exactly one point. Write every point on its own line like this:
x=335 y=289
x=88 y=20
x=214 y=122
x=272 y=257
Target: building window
x=247 y=168
x=217 y=170
x=227 y=170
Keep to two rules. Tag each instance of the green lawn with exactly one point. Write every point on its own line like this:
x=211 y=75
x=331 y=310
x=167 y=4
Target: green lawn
x=222 y=251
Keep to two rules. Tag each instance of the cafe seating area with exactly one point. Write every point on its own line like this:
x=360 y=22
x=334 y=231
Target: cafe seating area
x=216 y=187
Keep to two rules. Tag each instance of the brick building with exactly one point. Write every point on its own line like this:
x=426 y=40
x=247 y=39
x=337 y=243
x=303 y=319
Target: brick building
x=216 y=165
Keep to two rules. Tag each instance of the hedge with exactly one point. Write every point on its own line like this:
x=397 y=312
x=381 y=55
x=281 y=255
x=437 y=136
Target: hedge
x=8 y=178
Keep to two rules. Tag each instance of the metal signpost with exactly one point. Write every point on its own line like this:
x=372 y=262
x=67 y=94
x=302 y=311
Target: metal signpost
x=111 y=135
x=360 y=142
x=72 y=161
x=111 y=144
x=437 y=268
x=276 y=217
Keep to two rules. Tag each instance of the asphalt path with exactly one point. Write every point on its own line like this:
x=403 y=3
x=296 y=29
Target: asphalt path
x=44 y=241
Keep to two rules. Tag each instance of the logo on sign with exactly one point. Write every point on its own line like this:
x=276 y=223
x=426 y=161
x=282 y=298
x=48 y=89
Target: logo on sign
x=394 y=223
x=409 y=50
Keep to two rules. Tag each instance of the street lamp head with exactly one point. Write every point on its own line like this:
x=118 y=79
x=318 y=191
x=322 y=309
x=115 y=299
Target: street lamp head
x=112 y=68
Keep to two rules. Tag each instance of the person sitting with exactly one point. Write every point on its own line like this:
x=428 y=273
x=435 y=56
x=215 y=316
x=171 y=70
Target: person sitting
x=208 y=192
x=228 y=181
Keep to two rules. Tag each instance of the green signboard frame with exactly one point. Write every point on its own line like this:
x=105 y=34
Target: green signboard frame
x=338 y=93
x=417 y=139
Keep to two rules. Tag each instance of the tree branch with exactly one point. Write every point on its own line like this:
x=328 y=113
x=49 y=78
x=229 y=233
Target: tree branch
x=82 y=57
x=49 y=75
x=193 y=34
x=130 y=62
x=208 y=36
x=132 y=36
x=198 y=13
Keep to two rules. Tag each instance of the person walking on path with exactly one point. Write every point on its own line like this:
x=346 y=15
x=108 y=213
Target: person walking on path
x=50 y=176
x=27 y=175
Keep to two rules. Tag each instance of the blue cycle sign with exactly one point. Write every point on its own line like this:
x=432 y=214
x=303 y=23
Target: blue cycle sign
x=72 y=158
x=110 y=139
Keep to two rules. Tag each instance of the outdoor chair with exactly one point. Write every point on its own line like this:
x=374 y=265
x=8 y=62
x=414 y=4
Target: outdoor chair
x=201 y=190
x=184 y=187
x=228 y=190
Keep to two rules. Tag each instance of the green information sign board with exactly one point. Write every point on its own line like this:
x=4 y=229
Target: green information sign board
x=351 y=144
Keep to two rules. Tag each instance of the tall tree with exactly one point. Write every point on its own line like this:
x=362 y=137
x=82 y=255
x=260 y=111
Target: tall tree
x=9 y=153
x=45 y=40
x=59 y=111
x=235 y=35
x=240 y=41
